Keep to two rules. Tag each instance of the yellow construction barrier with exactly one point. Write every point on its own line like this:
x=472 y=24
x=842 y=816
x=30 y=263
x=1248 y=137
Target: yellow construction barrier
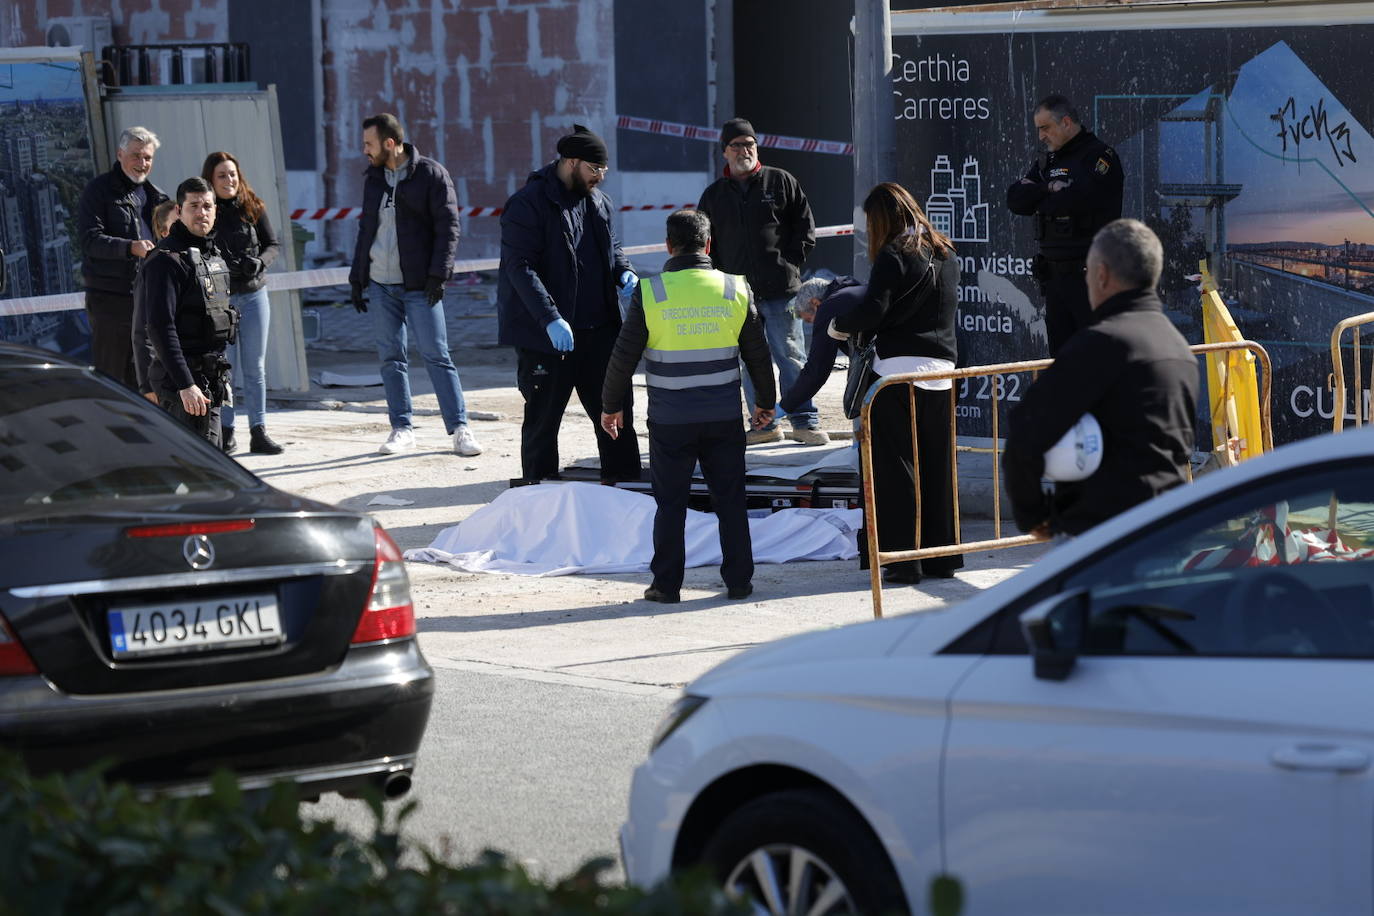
x=1232 y=389
x=1263 y=442
x=1337 y=380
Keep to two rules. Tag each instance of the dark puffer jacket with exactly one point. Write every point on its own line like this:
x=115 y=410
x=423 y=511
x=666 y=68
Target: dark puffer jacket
x=107 y=221
x=539 y=275
x=426 y=221
x=248 y=248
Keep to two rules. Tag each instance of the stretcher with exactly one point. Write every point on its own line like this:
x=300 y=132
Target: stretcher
x=825 y=488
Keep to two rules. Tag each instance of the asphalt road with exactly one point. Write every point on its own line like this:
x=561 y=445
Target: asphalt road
x=534 y=766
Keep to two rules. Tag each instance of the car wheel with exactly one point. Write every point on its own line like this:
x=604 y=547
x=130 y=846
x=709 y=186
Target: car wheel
x=802 y=851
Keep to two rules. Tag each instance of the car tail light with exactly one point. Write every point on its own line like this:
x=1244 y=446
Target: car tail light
x=13 y=657
x=389 y=613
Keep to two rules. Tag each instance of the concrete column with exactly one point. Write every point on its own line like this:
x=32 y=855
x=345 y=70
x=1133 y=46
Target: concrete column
x=874 y=128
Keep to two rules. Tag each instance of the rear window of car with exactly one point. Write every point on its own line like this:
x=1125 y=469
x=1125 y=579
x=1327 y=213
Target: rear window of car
x=69 y=440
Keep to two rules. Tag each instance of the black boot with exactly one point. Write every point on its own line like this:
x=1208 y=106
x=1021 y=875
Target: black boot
x=226 y=440
x=261 y=444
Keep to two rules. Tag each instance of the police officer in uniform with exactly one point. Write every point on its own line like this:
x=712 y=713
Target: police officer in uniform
x=185 y=301
x=1073 y=190
x=693 y=324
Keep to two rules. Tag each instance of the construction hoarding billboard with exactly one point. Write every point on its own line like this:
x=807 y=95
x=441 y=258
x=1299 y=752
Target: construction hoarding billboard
x=1248 y=146
x=46 y=160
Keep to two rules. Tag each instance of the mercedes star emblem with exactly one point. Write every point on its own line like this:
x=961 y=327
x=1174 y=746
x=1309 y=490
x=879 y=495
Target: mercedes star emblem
x=198 y=551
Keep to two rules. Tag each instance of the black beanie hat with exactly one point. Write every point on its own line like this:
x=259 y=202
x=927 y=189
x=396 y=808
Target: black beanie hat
x=583 y=144
x=736 y=127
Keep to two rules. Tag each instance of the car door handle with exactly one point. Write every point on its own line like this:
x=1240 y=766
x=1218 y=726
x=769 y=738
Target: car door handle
x=1330 y=758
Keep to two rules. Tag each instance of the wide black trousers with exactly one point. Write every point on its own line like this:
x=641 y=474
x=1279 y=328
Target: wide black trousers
x=547 y=381
x=894 y=479
x=112 y=321
x=1065 y=287
x=674 y=451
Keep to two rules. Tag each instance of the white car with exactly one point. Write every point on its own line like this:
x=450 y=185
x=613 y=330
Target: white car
x=1191 y=731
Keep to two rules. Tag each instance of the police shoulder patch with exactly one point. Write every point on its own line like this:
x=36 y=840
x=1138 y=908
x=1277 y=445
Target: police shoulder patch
x=1103 y=166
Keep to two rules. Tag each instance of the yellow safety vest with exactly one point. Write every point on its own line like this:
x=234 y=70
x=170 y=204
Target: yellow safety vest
x=694 y=318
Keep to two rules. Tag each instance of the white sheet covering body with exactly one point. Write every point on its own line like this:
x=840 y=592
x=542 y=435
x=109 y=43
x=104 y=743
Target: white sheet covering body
x=563 y=528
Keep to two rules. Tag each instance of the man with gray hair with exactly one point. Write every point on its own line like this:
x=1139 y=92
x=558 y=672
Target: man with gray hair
x=1132 y=370
x=114 y=222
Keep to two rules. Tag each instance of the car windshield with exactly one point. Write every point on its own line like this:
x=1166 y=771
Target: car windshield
x=67 y=438
x=1279 y=569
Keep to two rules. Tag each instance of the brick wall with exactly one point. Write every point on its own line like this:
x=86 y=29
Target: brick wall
x=135 y=22
x=485 y=86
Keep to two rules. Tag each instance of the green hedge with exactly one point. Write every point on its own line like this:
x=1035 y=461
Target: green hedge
x=77 y=845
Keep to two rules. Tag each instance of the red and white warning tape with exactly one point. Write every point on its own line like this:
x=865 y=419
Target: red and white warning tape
x=329 y=213
x=712 y=134
x=330 y=276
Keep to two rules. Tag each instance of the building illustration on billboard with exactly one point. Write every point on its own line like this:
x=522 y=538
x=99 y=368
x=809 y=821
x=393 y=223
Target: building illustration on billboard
x=955 y=206
x=45 y=160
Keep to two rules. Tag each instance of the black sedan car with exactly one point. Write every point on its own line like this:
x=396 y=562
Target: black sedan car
x=165 y=611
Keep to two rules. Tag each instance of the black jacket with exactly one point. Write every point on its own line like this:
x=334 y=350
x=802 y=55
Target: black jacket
x=426 y=221
x=1134 y=372
x=539 y=275
x=166 y=284
x=763 y=232
x=1067 y=219
x=248 y=248
x=688 y=405
x=107 y=221
x=910 y=317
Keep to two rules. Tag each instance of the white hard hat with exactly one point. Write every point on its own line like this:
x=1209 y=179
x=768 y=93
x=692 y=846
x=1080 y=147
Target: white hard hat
x=1078 y=455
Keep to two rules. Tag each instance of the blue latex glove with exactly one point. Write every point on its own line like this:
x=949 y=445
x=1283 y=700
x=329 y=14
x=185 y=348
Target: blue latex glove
x=560 y=334
x=627 y=281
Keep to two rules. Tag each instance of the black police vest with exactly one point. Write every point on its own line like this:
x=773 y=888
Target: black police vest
x=205 y=319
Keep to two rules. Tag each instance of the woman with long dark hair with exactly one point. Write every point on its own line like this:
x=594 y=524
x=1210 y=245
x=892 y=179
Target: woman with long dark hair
x=245 y=239
x=910 y=307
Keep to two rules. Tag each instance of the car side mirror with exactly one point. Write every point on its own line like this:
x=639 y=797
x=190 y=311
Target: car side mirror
x=1054 y=630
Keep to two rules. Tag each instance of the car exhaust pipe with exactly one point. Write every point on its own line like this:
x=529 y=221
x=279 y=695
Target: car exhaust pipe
x=396 y=784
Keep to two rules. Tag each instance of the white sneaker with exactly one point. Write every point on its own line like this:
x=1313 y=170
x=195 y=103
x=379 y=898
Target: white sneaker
x=464 y=443
x=400 y=440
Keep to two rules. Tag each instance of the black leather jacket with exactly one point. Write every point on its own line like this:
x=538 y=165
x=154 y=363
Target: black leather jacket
x=248 y=248
x=107 y=221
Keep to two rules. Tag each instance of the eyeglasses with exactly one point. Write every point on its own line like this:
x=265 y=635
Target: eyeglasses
x=741 y=145
x=599 y=170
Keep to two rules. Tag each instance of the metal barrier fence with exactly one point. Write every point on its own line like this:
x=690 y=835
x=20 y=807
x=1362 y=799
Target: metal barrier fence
x=878 y=558
x=1337 y=378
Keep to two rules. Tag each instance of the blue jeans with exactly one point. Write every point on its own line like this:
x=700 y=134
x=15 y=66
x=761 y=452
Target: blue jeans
x=785 y=335
x=392 y=308
x=248 y=356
